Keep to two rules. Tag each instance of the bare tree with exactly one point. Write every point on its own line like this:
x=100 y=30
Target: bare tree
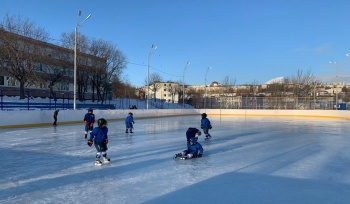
x=123 y=89
x=67 y=41
x=99 y=71
x=21 y=48
x=154 y=83
x=308 y=80
x=195 y=97
x=302 y=83
x=54 y=68
x=173 y=90
x=103 y=73
x=228 y=84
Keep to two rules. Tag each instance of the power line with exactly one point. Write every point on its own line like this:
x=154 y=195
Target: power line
x=143 y=65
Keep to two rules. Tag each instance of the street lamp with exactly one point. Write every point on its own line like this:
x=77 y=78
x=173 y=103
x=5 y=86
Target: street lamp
x=205 y=87
x=153 y=48
x=75 y=58
x=183 y=86
x=336 y=76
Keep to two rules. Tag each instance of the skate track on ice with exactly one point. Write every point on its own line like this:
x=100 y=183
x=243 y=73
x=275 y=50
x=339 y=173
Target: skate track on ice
x=248 y=160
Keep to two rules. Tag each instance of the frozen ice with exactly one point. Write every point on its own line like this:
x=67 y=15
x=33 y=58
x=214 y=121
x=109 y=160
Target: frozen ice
x=248 y=160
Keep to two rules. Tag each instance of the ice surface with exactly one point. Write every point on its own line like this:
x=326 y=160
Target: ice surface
x=248 y=160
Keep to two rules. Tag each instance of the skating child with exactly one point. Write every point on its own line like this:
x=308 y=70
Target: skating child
x=55 y=117
x=129 y=121
x=192 y=133
x=205 y=125
x=100 y=138
x=89 y=120
x=193 y=151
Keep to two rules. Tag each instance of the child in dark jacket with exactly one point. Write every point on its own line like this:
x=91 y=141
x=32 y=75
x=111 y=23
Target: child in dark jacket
x=55 y=116
x=192 y=133
x=89 y=120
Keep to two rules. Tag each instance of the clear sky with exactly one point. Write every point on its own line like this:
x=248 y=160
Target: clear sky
x=246 y=40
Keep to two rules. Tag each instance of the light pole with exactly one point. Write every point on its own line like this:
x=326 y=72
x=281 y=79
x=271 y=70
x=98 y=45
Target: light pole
x=183 y=86
x=153 y=48
x=315 y=86
x=336 y=76
x=75 y=58
x=205 y=87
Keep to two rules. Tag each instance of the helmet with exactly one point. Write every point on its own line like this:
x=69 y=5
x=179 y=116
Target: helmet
x=90 y=110
x=101 y=122
x=131 y=113
x=190 y=130
x=193 y=140
x=204 y=115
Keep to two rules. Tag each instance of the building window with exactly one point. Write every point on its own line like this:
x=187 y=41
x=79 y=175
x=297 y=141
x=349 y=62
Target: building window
x=164 y=84
x=38 y=67
x=10 y=81
x=164 y=89
x=62 y=87
x=2 y=81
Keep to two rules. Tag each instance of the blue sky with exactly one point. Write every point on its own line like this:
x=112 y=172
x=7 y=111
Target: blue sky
x=248 y=41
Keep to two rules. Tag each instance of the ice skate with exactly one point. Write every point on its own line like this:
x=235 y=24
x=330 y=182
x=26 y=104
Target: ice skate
x=106 y=159
x=85 y=136
x=98 y=162
x=131 y=131
x=177 y=155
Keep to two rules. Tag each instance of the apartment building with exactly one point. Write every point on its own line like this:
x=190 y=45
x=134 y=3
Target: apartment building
x=52 y=67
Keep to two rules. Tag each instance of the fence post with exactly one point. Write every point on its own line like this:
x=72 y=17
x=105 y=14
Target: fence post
x=28 y=98
x=68 y=100
x=1 y=95
x=49 y=100
x=63 y=101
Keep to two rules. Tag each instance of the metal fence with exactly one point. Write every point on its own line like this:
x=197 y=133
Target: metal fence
x=277 y=103
x=232 y=102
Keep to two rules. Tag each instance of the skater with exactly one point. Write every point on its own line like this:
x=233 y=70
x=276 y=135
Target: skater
x=55 y=116
x=205 y=125
x=193 y=151
x=129 y=121
x=100 y=138
x=89 y=120
x=192 y=133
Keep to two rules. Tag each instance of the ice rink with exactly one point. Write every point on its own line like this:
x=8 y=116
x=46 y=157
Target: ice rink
x=248 y=160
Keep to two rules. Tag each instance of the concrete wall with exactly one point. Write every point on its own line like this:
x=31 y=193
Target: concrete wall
x=12 y=119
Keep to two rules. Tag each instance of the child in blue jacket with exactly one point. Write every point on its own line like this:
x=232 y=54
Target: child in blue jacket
x=193 y=151
x=205 y=125
x=100 y=138
x=129 y=121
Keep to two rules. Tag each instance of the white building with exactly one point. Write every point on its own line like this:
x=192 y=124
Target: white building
x=167 y=91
